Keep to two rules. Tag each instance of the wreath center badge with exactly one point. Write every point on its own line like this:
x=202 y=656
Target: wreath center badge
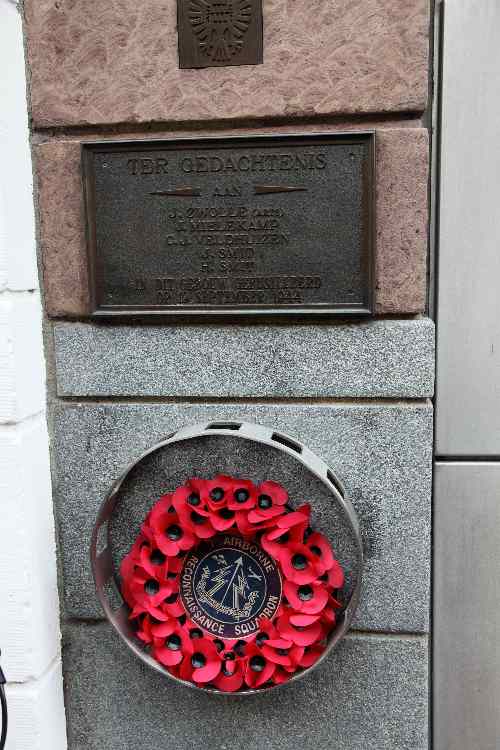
x=229 y=586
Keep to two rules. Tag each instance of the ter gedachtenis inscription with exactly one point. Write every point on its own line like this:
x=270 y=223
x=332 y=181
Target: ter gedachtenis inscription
x=219 y=32
x=231 y=225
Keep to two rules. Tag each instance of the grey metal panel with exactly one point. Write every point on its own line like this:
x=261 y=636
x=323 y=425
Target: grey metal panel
x=468 y=383
x=467 y=607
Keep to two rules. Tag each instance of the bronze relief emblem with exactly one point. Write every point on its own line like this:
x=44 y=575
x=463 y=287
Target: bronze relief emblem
x=219 y=32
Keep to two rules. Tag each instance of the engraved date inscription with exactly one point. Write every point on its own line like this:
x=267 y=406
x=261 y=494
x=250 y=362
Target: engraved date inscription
x=235 y=291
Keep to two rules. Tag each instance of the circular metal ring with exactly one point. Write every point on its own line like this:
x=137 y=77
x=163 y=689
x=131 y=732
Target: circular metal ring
x=102 y=561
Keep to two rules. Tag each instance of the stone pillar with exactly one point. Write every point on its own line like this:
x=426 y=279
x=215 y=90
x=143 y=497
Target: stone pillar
x=357 y=392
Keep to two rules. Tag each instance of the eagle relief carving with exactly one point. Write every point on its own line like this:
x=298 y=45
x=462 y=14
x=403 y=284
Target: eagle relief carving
x=223 y=32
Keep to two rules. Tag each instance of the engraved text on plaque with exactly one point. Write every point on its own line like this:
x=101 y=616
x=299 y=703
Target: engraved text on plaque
x=231 y=225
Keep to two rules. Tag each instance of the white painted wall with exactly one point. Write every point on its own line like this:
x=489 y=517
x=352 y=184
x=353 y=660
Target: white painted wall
x=29 y=606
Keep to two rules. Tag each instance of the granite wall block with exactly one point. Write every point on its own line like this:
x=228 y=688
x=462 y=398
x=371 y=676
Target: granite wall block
x=371 y=692
x=375 y=359
x=383 y=454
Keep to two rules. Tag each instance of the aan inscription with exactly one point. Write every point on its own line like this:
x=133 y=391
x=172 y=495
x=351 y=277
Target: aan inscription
x=236 y=225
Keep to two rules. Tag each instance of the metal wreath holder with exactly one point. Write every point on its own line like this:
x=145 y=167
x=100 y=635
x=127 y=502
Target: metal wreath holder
x=103 y=564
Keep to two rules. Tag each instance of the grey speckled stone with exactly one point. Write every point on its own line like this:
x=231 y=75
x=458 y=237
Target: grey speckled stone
x=371 y=693
x=379 y=358
x=383 y=453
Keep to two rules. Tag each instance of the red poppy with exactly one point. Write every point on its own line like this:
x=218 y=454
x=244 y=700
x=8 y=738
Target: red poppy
x=271 y=501
x=243 y=524
x=299 y=564
x=296 y=655
x=319 y=546
x=128 y=566
x=144 y=630
x=214 y=493
x=184 y=496
x=298 y=517
x=149 y=588
x=160 y=630
x=300 y=620
x=335 y=576
x=311 y=656
x=153 y=632
x=300 y=635
x=202 y=662
x=283 y=652
x=148 y=593
x=223 y=519
x=154 y=561
x=140 y=609
x=170 y=534
x=172 y=605
x=272 y=645
x=328 y=615
x=164 y=503
x=243 y=495
x=232 y=675
x=257 y=516
x=266 y=629
x=309 y=598
x=148 y=532
x=248 y=529
x=174 y=648
x=280 y=676
x=274 y=539
x=196 y=518
x=259 y=670
x=277 y=493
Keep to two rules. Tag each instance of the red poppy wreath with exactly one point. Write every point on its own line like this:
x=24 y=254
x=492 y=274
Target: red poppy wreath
x=229 y=587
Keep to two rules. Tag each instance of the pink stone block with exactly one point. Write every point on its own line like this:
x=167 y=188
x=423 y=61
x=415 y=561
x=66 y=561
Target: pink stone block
x=401 y=216
x=96 y=63
x=402 y=221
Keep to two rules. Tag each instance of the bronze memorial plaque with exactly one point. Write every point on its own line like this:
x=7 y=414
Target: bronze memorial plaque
x=219 y=32
x=243 y=225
